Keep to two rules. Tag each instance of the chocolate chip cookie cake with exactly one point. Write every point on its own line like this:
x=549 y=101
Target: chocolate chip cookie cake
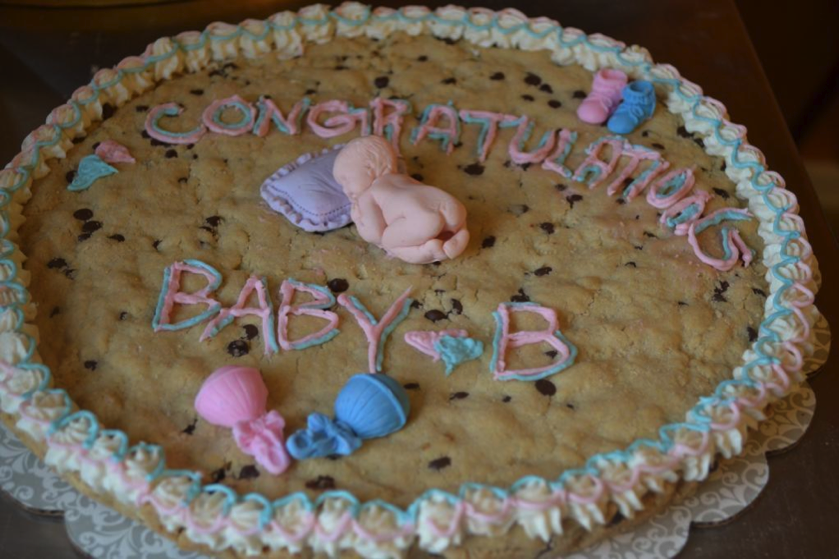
x=381 y=283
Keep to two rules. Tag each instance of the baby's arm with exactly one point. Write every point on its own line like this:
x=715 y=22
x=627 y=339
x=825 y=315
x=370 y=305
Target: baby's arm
x=368 y=217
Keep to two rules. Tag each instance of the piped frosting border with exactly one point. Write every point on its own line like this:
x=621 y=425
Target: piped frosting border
x=214 y=515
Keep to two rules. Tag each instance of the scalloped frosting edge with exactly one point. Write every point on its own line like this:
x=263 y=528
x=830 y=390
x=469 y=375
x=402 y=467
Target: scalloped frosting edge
x=214 y=515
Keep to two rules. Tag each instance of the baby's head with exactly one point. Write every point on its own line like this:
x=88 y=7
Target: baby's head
x=361 y=162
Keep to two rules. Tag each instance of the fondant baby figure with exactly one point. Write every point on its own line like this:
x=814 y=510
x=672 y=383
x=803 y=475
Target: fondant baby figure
x=414 y=222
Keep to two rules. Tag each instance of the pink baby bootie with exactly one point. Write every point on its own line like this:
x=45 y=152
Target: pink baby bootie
x=604 y=97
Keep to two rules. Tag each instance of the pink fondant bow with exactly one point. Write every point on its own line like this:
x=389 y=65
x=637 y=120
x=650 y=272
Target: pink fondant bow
x=263 y=439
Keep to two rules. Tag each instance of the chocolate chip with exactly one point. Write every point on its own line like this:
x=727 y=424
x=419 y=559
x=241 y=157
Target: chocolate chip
x=248 y=472
x=521 y=297
x=91 y=365
x=251 y=332
x=570 y=406
x=381 y=82
x=681 y=131
x=141 y=108
x=422 y=58
x=519 y=209
x=57 y=263
x=338 y=285
x=759 y=292
x=70 y=273
x=231 y=66
x=214 y=221
x=434 y=315
x=458 y=396
x=752 y=334
x=721 y=193
x=488 y=242
x=321 y=483
x=119 y=238
x=70 y=175
x=107 y=111
x=532 y=79
x=554 y=104
x=620 y=201
x=720 y=289
x=572 y=198
x=123 y=315
x=55 y=311
x=171 y=153
x=449 y=81
x=579 y=94
x=96 y=145
x=218 y=475
x=91 y=226
x=83 y=214
x=417 y=177
x=630 y=263
x=197 y=91
x=190 y=429
x=411 y=386
x=682 y=304
x=527 y=97
x=440 y=463
x=83 y=237
x=474 y=169
x=238 y=348
x=543 y=271
x=546 y=88
x=560 y=187
x=416 y=304
x=545 y=387
x=658 y=146
x=645 y=133
x=156 y=243
x=649 y=234
x=723 y=165
x=310 y=91
x=547 y=227
x=507 y=398
x=616 y=519
x=447 y=40
x=699 y=142
x=457 y=306
x=498 y=76
x=551 y=353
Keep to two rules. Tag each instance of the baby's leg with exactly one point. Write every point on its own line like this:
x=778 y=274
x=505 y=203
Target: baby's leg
x=457 y=243
x=428 y=252
x=417 y=228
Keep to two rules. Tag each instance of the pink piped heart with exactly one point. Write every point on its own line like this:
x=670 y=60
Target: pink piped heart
x=113 y=152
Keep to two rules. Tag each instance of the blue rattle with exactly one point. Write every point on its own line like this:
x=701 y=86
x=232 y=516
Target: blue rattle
x=370 y=405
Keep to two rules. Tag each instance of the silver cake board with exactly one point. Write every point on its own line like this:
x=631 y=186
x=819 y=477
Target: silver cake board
x=101 y=532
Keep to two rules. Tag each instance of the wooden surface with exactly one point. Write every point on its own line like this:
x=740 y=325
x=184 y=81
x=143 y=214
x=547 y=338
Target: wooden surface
x=45 y=54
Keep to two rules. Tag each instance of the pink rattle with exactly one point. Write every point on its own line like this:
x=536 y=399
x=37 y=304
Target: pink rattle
x=414 y=222
x=235 y=397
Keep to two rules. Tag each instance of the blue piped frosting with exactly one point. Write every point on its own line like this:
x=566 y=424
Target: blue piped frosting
x=457 y=350
x=90 y=169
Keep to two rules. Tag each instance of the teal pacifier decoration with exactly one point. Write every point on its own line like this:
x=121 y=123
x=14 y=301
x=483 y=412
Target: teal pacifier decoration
x=91 y=168
x=370 y=405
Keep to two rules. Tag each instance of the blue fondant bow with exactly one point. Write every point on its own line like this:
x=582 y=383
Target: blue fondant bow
x=322 y=437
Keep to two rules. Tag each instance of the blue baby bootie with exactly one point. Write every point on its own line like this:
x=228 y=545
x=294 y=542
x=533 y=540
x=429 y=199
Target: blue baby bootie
x=639 y=101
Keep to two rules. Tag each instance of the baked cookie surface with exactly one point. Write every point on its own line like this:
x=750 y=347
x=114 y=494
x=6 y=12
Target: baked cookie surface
x=655 y=329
